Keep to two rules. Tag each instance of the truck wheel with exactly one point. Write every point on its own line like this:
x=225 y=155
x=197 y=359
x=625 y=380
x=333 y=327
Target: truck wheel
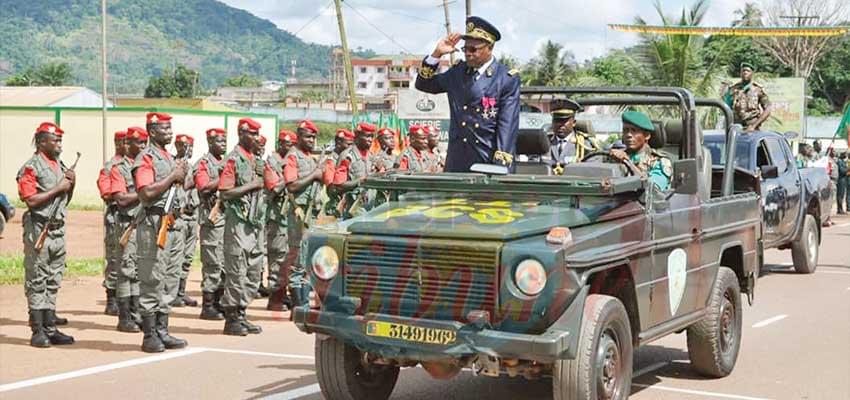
x=602 y=368
x=804 y=252
x=713 y=342
x=343 y=375
x=2 y=223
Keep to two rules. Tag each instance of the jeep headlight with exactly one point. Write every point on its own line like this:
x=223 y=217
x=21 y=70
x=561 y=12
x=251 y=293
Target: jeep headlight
x=530 y=277
x=325 y=262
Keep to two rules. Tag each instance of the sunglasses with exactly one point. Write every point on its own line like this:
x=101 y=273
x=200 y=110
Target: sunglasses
x=473 y=49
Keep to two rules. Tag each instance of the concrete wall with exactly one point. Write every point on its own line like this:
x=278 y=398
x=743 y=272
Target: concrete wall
x=83 y=133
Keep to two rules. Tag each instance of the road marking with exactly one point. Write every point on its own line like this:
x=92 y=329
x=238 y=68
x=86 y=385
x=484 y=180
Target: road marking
x=648 y=369
x=835 y=272
x=769 y=321
x=261 y=353
x=842 y=225
x=699 y=392
x=295 y=393
x=102 y=368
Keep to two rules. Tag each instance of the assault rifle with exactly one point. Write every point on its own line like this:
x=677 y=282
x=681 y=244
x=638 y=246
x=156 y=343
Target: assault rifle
x=54 y=209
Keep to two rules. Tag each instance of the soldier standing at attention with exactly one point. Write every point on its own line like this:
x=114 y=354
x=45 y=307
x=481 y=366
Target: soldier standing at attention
x=206 y=177
x=355 y=163
x=239 y=187
x=110 y=238
x=342 y=141
x=748 y=100
x=301 y=172
x=433 y=150
x=44 y=183
x=123 y=191
x=567 y=145
x=276 y=224
x=415 y=158
x=385 y=160
x=483 y=98
x=260 y=151
x=155 y=172
x=637 y=129
x=188 y=223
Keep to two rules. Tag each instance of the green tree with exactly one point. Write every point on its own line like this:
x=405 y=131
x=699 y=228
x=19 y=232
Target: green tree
x=51 y=74
x=830 y=79
x=242 y=80
x=509 y=61
x=180 y=83
x=553 y=66
x=25 y=78
x=617 y=68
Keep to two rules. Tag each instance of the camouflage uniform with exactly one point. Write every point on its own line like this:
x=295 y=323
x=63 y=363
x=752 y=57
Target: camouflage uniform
x=211 y=232
x=748 y=101
x=276 y=227
x=353 y=166
x=654 y=165
x=416 y=161
x=296 y=213
x=383 y=161
x=331 y=202
x=188 y=217
x=128 y=276
x=112 y=249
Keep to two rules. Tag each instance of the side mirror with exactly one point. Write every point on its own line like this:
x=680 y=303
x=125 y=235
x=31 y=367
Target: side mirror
x=769 y=171
x=489 y=169
x=686 y=176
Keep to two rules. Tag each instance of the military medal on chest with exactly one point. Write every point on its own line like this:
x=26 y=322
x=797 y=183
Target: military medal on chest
x=490 y=110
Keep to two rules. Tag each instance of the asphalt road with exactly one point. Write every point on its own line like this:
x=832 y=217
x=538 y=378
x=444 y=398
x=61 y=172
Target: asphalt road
x=796 y=345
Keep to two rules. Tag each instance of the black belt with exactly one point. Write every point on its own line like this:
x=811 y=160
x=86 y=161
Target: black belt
x=51 y=226
x=160 y=211
x=125 y=218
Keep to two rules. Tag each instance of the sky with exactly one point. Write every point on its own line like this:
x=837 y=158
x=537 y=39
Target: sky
x=414 y=26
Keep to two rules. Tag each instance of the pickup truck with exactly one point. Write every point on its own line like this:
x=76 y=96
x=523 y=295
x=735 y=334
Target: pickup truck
x=794 y=200
x=535 y=274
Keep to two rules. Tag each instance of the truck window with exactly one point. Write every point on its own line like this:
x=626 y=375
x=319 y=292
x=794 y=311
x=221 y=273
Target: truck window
x=762 y=157
x=777 y=155
x=718 y=153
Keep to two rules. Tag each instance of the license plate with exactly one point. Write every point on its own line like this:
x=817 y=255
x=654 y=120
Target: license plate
x=410 y=333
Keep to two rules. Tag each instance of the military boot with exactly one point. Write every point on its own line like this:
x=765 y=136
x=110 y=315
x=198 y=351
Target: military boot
x=262 y=291
x=178 y=299
x=278 y=300
x=60 y=321
x=111 y=303
x=126 y=323
x=151 y=342
x=134 y=310
x=55 y=336
x=232 y=323
x=251 y=328
x=208 y=309
x=219 y=293
x=39 y=336
x=182 y=294
x=169 y=341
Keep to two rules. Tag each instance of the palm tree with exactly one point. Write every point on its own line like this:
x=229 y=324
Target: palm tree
x=54 y=74
x=553 y=66
x=750 y=15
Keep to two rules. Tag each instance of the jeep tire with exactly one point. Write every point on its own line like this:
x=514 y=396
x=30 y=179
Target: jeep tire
x=343 y=375
x=602 y=368
x=804 y=251
x=714 y=341
x=2 y=223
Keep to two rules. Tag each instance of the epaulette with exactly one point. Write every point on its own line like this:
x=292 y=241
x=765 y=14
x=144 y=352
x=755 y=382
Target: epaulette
x=513 y=72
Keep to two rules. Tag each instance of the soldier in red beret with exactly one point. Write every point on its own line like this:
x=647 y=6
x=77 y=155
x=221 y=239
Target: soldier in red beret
x=44 y=183
x=206 y=177
x=385 y=159
x=354 y=165
x=187 y=223
x=110 y=237
x=415 y=157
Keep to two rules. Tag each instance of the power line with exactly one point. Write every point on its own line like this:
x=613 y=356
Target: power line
x=319 y=14
x=411 y=16
x=376 y=27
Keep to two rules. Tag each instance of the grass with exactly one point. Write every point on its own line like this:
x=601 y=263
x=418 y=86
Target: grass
x=73 y=206
x=12 y=268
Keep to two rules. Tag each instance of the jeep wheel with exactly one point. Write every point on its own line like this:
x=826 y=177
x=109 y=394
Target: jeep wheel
x=602 y=368
x=343 y=373
x=713 y=342
x=2 y=223
x=804 y=251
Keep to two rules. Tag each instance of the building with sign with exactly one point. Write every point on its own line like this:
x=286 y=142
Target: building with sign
x=380 y=76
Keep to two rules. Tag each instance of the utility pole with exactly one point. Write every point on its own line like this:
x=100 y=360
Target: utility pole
x=346 y=57
x=104 y=93
x=468 y=8
x=448 y=27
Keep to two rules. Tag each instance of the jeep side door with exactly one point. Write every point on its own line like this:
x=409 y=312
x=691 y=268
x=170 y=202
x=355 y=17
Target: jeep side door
x=781 y=195
x=771 y=191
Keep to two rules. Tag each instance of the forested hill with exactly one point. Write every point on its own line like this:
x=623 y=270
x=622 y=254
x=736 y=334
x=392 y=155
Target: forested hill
x=147 y=36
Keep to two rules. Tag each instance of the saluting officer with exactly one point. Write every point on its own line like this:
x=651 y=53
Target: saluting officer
x=354 y=165
x=385 y=159
x=301 y=172
x=748 y=100
x=44 y=183
x=110 y=237
x=654 y=165
x=188 y=226
x=276 y=223
x=155 y=172
x=206 y=176
x=239 y=187
x=415 y=157
x=483 y=98
x=567 y=145
x=123 y=190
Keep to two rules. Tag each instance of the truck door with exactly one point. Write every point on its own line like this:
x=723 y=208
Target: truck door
x=773 y=196
x=789 y=179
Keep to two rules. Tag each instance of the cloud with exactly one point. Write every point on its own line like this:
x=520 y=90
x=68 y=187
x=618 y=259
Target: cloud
x=415 y=25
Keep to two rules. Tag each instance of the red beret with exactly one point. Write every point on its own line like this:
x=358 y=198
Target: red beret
x=344 y=133
x=416 y=130
x=155 y=117
x=120 y=135
x=50 y=127
x=386 y=132
x=262 y=140
x=216 y=132
x=134 y=132
x=308 y=125
x=249 y=124
x=366 y=127
x=285 y=135
x=185 y=138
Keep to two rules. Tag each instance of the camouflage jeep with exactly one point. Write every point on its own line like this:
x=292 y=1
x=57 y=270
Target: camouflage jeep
x=537 y=275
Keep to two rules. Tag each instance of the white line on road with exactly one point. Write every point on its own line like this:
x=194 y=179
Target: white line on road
x=99 y=369
x=834 y=272
x=648 y=369
x=699 y=392
x=295 y=393
x=261 y=353
x=769 y=321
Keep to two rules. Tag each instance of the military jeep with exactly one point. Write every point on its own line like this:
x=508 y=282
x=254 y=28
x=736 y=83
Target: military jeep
x=538 y=275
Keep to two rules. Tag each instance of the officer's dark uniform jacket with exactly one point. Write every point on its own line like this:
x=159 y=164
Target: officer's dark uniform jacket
x=484 y=112
x=562 y=154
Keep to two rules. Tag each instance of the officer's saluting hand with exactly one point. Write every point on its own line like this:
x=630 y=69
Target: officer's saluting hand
x=483 y=97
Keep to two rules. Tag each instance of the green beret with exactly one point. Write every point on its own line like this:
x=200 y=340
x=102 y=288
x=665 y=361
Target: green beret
x=639 y=120
x=747 y=65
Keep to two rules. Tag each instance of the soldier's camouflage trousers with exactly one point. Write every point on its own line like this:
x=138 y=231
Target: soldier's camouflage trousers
x=111 y=247
x=276 y=247
x=190 y=242
x=128 y=274
x=294 y=233
x=212 y=256
x=43 y=269
x=159 y=275
x=243 y=262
